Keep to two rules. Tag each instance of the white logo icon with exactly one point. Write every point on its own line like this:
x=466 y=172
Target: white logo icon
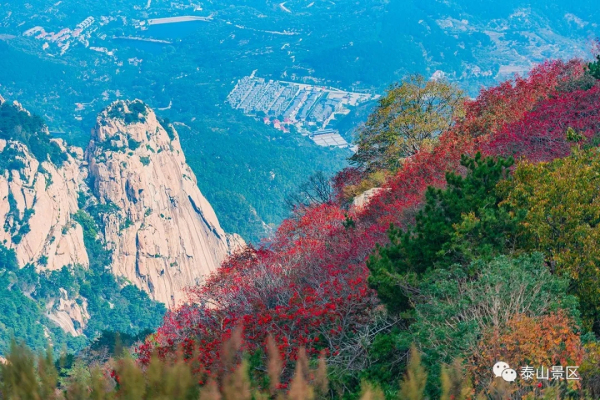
x=509 y=375
x=499 y=367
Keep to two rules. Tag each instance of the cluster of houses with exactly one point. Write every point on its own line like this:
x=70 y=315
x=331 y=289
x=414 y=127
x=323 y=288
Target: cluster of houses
x=284 y=104
x=64 y=38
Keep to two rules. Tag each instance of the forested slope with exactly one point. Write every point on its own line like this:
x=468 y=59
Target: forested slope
x=505 y=198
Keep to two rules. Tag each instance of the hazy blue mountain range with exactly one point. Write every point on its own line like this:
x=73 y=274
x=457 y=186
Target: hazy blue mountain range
x=244 y=167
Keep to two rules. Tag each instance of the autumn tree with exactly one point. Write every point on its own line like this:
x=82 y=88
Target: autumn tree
x=541 y=134
x=511 y=100
x=411 y=114
x=562 y=199
x=525 y=340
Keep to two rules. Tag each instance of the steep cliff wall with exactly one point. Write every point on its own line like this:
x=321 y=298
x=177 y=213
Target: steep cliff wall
x=37 y=201
x=130 y=192
x=163 y=233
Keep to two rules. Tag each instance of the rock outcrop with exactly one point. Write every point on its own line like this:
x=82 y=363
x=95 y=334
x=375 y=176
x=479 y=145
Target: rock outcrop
x=164 y=234
x=37 y=202
x=363 y=199
x=68 y=313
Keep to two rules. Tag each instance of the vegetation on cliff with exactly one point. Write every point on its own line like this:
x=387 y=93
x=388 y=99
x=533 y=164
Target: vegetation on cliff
x=30 y=297
x=18 y=125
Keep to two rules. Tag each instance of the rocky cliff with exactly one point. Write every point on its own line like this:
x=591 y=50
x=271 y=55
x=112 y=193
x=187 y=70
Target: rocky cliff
x=37 y=202
x=162 y=233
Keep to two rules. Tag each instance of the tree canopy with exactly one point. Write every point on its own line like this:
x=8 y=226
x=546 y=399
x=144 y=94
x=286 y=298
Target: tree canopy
x=438 y=236
x=409 y=116
x=562 y=199
x=17 y=124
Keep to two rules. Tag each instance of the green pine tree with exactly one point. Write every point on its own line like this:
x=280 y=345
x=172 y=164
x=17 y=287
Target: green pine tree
x=594 y=68
x=456 y=225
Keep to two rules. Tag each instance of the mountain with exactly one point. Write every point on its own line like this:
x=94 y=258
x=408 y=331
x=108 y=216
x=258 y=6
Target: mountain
x=163 y=233
x=126 y=211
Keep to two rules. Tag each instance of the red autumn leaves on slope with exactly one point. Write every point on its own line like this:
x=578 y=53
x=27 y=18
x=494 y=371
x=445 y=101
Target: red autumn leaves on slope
x=308 y=286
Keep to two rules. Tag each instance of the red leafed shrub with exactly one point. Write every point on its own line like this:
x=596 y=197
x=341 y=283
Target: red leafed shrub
x=346 y=177
x=511 y=100
x=308 y=286
x=307 y=290
x=541 y=134
x=493 y=111
x=404 y=192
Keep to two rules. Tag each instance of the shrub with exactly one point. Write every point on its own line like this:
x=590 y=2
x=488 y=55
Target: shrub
x=133 y=144
x=136 y=112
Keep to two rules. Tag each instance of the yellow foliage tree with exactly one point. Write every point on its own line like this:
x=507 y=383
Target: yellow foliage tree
x=411 y=115
x=562 y=200
x=545 y=341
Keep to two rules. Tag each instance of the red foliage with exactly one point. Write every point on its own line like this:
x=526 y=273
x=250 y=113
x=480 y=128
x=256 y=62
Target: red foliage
x=540 y=135
x=307 y=290
x=346 y=177
x=511 y=100
x=493 y=111
x=308 y=286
